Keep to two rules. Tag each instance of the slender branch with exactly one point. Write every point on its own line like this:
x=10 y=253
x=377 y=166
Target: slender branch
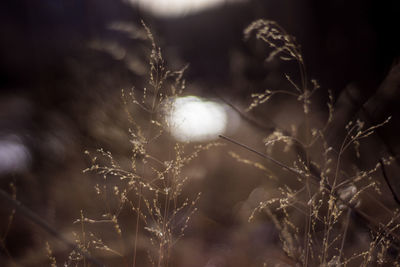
x=368 y=117
x=298 y=145
x=384 y=174
x=33 y=217
x=245 y=116
x=280 y=164
x=346 y=227
x=371 y=224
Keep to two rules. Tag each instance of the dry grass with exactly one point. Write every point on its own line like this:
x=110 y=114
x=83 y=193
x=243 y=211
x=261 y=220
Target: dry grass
x=313 y=217
x=150 y=185
x=320 y=202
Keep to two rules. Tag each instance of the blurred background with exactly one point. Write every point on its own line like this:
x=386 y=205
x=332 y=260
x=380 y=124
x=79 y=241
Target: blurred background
x=63 y=65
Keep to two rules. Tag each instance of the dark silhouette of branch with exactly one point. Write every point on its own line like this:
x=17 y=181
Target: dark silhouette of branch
x=370 y=222
x=368 y=117
x=384 y=174
x=299 y=148
x=280 y=164
x=33 y=217
x=246 y=117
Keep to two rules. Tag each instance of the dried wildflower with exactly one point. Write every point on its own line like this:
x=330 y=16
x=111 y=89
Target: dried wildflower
x=327 y=189
x=259 y=99
x=275 y=36
x=286 y=48
x=152 y=187
x=254 y=164
x=50 y=256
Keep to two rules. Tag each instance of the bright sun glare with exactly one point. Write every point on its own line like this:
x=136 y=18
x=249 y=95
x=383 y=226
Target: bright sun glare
x=194 y=119
x=176 y=7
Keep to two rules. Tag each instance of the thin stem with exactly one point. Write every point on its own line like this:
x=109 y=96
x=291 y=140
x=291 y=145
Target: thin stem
x=7 y=252
x=283 y=166
x=370 y=222
x=33 y=217
x=384 y=174
x=344 y=234
x=137 y=225
x=83 y=237
x=308 y=224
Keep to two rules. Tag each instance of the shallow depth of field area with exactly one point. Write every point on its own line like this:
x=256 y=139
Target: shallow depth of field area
x=199 y=133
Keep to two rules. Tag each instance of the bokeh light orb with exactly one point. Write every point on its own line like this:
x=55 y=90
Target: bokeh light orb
x=172 y=8
x=191 y=118
x=14 y=155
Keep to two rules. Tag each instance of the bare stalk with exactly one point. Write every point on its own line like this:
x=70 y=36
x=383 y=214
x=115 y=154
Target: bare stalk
x=33 y=217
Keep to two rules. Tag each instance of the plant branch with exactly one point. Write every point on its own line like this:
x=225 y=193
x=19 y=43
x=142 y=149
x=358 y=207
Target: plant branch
x=371 y=224
x=384 y=174
x=280 y=164
x=33 y=217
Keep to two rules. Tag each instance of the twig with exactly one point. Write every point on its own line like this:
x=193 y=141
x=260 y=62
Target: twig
x=298 y=146
x=388 y=183
x=280 y=164
x=370 y=120
x=346 y=227
x=371 y=224
x=33 y=217
x=245 y=116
